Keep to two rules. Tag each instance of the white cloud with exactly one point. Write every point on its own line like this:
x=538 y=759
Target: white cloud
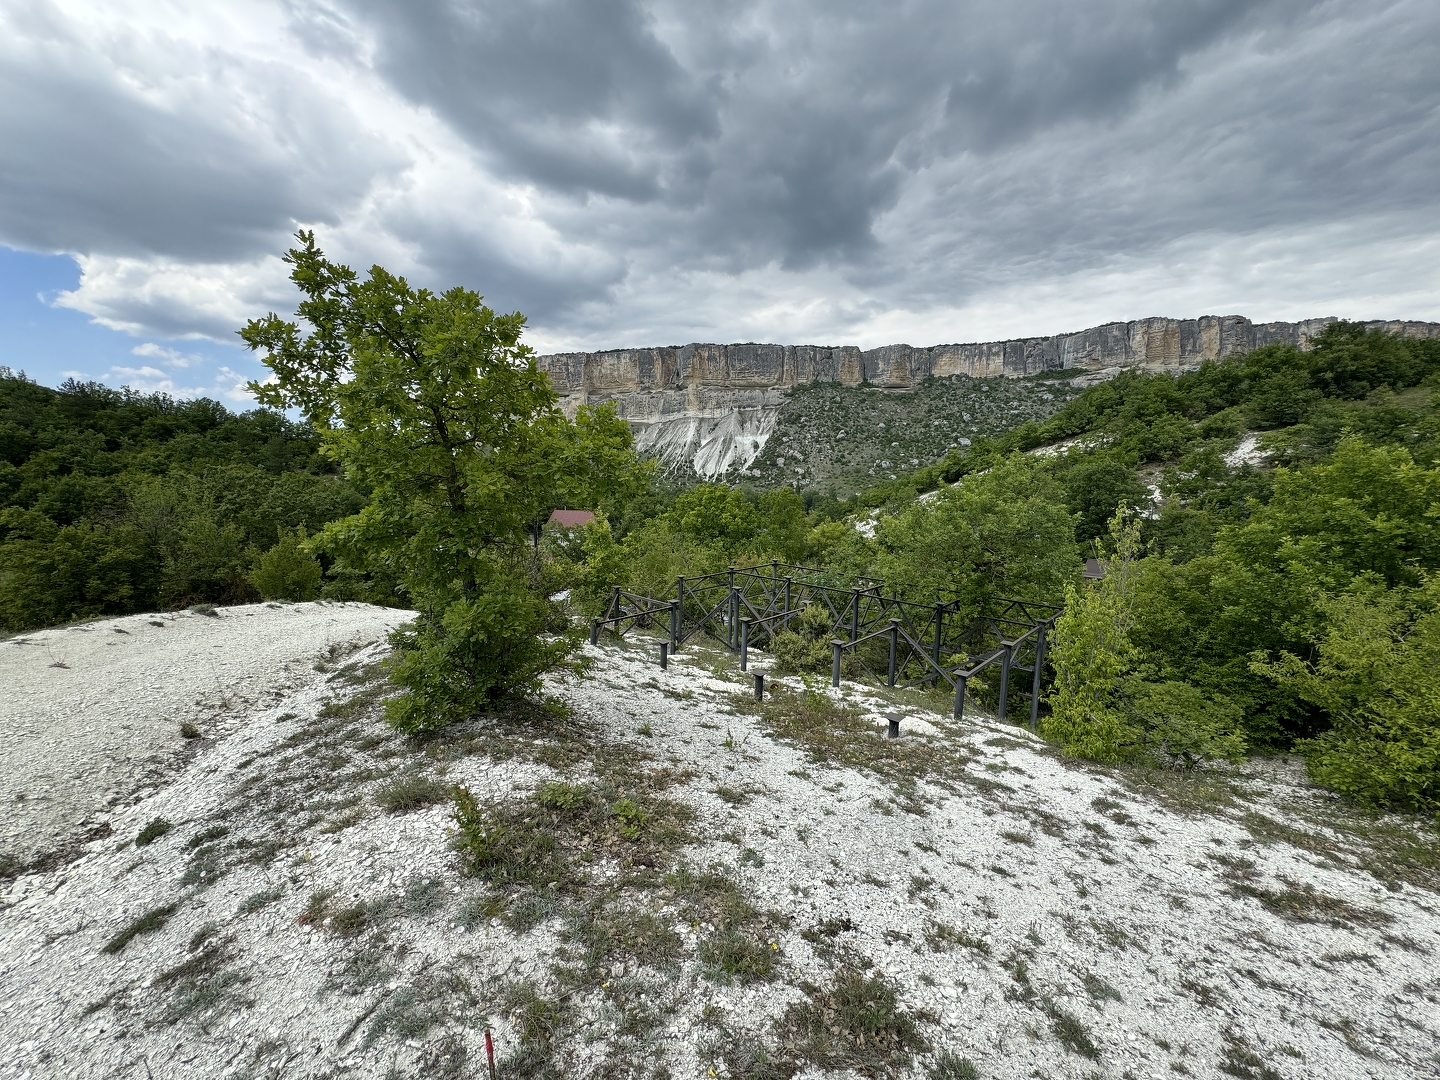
x=655 y=173
x=169 y=357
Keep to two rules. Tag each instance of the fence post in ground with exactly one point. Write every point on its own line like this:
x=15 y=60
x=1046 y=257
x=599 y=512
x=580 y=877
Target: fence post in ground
x=894 y=644
x=1035 y=682
x=744 y=643
x=939 y=633
x=680 y=609
x=1009 y=647
x=664 y=655
x=836 y=645
x=595 y=632
x=674 y=626
x=759 y=686
x=960 y=681
x=732 y=613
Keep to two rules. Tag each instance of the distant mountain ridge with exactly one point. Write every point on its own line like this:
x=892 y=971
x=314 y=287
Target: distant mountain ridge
x=712 y=407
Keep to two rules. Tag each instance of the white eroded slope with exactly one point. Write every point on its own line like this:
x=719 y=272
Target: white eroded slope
x=995 y=898
x=90 y=711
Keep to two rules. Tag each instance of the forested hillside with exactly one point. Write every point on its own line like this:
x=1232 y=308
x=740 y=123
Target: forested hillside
x=1271 y=584
x=1268 y=525
x=116 y=502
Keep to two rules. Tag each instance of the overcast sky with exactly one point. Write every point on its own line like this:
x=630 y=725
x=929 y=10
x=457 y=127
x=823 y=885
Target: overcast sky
x=631 y=173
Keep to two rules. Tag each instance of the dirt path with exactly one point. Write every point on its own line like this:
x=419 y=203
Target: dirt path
x=91 y=715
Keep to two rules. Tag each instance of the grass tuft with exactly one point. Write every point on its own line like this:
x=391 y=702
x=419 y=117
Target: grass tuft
x=734 y=956
x=855 y=1023
x=157 y=828
x=948 y=1066
x=148 y=923
x=256 y=901
x=410 y=791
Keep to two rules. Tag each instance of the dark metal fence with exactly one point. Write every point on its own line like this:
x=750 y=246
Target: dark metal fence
x=898 y=642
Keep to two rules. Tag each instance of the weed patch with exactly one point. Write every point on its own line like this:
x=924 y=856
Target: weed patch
x=1070 y=1032
x=256 y=901
x=431 y=998
x=736 y=956
x=833 y=733
x=1302 y=902
x=214 y=832
x=942 y=937
x=157 y=828
x=547 y=840
x=202 y=985
x=948 y=1066
x=148 y=923
x=1242 y=1061
x=1098 y=989
x=410 y=791
x=855 y=1022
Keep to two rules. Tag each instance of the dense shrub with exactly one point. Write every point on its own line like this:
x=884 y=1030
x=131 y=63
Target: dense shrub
x=433 y=406
x=113 y=502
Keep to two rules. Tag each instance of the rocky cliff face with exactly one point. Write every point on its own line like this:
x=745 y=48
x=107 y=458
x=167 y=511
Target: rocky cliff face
x=711 y=408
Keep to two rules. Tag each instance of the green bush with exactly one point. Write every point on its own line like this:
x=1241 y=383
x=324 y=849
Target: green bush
x=288 y=571
x=806 y=649
x=1180 y=723
x=1377 y=674
x=1004 y=533
x=433 y=406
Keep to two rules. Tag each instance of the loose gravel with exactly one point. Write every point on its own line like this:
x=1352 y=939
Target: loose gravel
x=1034 y=917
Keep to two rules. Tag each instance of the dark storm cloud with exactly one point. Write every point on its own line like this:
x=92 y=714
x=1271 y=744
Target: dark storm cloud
x=149 y=150
x=573 y=95
x=785 y=129
x=919 y=152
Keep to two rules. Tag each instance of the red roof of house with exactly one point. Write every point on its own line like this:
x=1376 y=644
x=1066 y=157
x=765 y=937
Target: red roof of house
x=571 y=519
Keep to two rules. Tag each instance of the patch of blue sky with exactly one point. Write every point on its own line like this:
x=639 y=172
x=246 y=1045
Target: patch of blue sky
x=52 y=343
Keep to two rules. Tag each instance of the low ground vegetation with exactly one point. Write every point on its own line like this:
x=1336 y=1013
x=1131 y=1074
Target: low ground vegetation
x=759 y=890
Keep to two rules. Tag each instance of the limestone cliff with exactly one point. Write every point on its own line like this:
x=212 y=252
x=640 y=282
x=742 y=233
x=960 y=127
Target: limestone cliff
x=712 y=407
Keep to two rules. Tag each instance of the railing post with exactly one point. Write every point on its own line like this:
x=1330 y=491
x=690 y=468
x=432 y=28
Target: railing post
x=788 y=582
x=837 y=646
x=960 y=681
x=1035 y=683
x=894 y=644
x=732 y=613
x=595 y=632
x=680 y=609
x=1009 y=647
x=939 y=632
x=774 y=581
x=674 y=631
x=854 y=614
x=614 y=603
x=744 y=643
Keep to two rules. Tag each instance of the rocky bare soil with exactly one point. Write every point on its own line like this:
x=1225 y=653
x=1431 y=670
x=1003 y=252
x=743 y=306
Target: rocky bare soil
x=844 y=439
x=94 y=712
x=666 y=879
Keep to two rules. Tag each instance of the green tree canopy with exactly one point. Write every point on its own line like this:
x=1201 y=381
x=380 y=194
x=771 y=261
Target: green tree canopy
x=431 y=403
x=1004 y=532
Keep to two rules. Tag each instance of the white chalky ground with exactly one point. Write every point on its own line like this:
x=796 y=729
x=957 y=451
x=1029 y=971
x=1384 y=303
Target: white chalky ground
x=1187 y=971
